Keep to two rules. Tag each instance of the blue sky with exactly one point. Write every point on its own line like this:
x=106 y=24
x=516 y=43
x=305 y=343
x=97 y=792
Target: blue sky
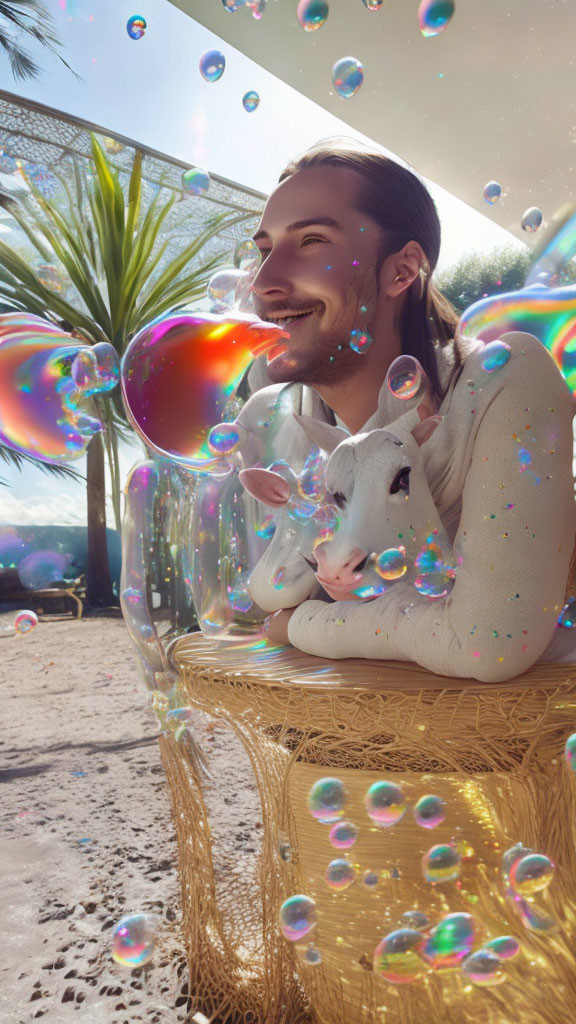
x=151 y=90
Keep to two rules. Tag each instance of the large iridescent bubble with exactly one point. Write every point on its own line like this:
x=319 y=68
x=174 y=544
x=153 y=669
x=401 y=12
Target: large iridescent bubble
x=549 y=314
x=179 y=372
x=44 y=411
x=397 y=957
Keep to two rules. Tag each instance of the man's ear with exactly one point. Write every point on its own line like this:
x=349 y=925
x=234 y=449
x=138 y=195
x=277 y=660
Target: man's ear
x=326 y=436
x=269 y=488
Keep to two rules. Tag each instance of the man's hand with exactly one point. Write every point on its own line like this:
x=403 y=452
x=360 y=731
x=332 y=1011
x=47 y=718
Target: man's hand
x=276 y=626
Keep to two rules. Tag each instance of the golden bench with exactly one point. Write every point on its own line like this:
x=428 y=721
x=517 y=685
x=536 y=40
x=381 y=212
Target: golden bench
x=493 y=752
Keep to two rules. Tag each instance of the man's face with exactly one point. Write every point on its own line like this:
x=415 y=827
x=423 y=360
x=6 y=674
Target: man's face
x=326 y=270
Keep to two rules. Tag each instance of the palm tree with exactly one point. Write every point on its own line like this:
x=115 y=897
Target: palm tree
x=115 y=257
x=33 y=18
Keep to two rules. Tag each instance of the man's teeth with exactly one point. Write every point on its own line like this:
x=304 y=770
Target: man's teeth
x=288 y=319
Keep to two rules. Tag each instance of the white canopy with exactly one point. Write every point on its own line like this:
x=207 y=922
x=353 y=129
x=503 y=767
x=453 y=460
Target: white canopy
x=490 y=98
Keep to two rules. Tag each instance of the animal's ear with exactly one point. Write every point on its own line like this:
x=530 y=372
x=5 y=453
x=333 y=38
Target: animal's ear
x=324 y=435
x=269 y=488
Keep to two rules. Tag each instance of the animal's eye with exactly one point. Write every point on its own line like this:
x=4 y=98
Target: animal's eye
x=339 y=499
x=401 y=481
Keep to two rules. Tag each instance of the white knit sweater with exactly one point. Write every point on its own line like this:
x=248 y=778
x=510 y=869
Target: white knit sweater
x=512 y=521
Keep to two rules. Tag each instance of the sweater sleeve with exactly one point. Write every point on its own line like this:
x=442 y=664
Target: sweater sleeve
x=513 y=546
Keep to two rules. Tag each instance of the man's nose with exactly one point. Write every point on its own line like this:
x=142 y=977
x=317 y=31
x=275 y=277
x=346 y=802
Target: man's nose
x=345 y=570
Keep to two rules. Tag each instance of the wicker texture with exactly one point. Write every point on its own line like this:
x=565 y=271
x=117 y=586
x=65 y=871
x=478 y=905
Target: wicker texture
x=494 y=752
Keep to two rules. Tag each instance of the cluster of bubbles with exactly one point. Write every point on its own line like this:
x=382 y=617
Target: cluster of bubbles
x=257 y=7
x=531 y=219
x=409 y=953
x=412 y=951
x=134 y=940
x=46 y=380
x=136 y=26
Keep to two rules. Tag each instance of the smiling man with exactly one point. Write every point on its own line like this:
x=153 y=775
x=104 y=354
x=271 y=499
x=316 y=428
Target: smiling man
x=348 y=242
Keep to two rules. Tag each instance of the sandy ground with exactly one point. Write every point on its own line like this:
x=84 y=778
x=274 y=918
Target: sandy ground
x=87 y=834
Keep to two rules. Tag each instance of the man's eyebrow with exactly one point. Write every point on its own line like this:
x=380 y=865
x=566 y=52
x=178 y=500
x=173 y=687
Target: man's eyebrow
x=327 y=222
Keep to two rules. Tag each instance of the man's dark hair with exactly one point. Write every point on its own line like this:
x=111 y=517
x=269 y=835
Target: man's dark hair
x=398 y=201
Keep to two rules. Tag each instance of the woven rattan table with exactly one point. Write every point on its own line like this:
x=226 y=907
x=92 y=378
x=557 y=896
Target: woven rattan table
x=493 y=752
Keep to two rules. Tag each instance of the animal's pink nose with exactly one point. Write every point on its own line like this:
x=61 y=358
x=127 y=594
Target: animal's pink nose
x=343 y=574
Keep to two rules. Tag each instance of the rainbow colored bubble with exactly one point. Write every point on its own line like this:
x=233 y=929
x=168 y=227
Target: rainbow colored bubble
x=347 y=77
x=134 y=940
x=397 y=957
x=212 y=65
x=385 y=804
x=327 y=799
x=136 y=26
x=340 y=874
x=450 y=941
x=25 y=621
x=297 y=917
x=434 y=16
x=312 y=14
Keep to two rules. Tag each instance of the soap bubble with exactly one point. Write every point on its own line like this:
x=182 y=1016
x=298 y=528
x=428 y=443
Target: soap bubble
x=492 y=192
x=343 y=835
x=233 y=5
x=223 y=284
x=441 y=864
x=12 y=547
x=25 y=621
x=567 y=617
x=385 y=803
x=373 y=5
x=50 y=277
x=225 y=438
x=245 y=250
x=370 y=879
x=404 y=377
x=415 y=919
x=430 y=811
x=434 y=16
x=297 y=917
x=40 y=569
x=555 y=249
x=450 y=941
x=136 y=26
x=347 y=77
x=531 y=219
x=178 y=373
x=436 y=585
x=312 y=14
x=391 y=564
x=360 y=341
x=483 y=968
x=570 y=751
x=511 y=856
x=250 y=101
x=396 y=957
x=531 y=874
x=212 y=65
x=312 y=956
x=340 y=874
x=326 y=800
x=39 y=402
x=195 y=181
x=134 y=939
x=239 y=598
x=505 y=946
x=495 y=355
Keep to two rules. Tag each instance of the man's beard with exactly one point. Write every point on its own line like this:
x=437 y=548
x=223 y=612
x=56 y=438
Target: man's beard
x=312 y=363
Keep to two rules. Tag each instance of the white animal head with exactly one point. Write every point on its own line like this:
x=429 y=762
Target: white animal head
x=384 y=500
